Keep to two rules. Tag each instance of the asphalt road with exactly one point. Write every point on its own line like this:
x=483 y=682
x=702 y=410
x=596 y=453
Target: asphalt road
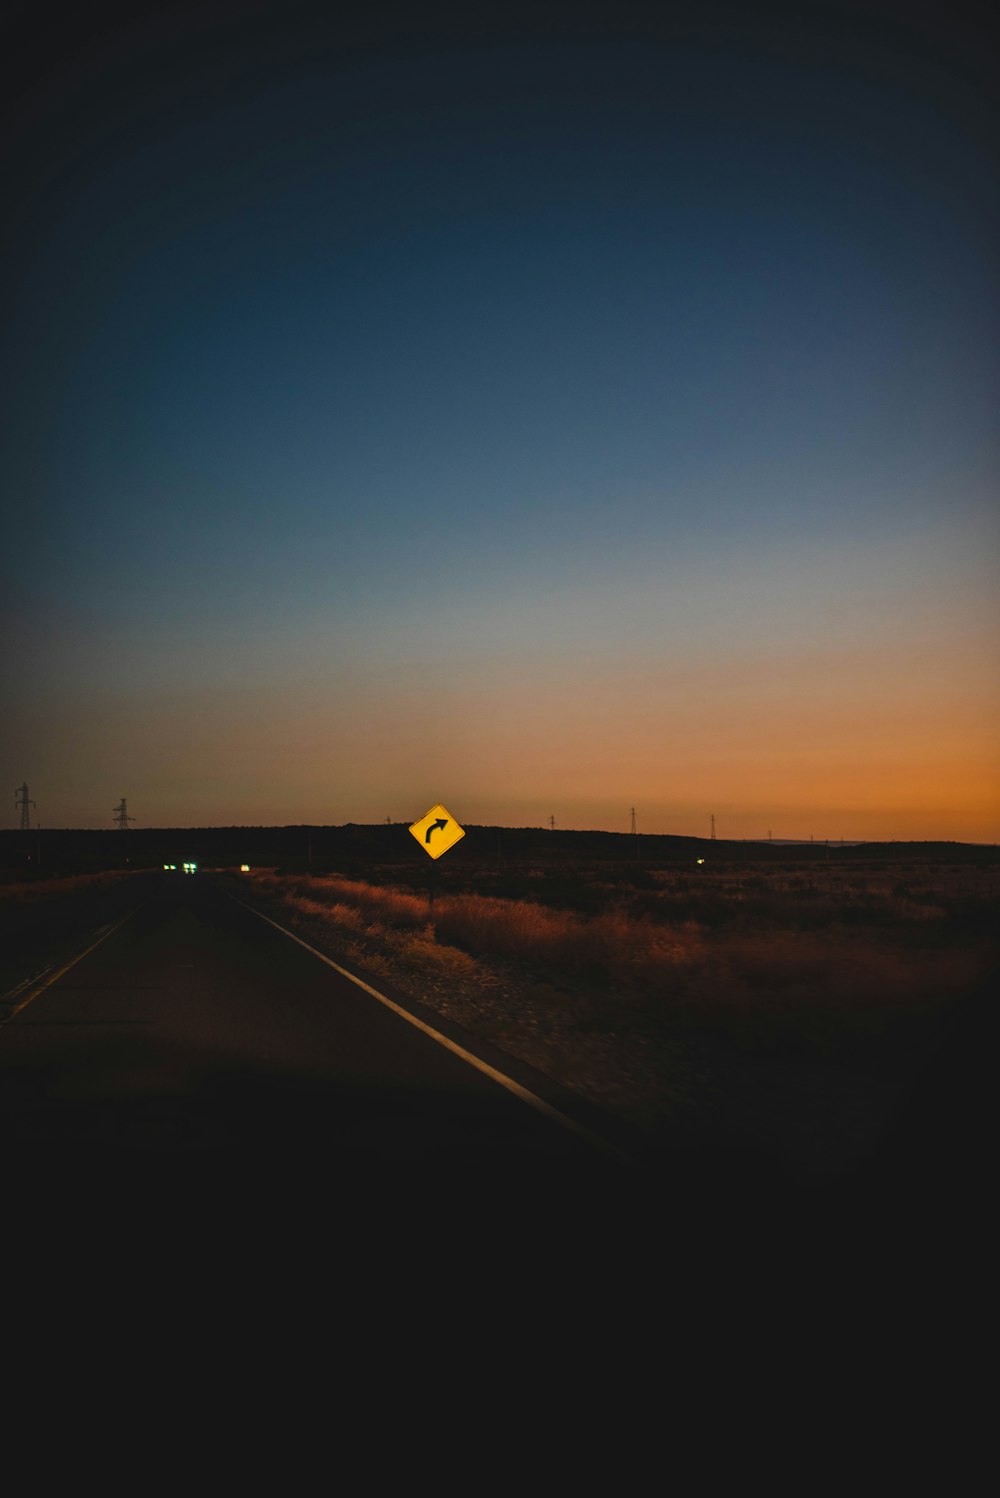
x=198 y=1057
x=196 y=1038
x=201 y=1109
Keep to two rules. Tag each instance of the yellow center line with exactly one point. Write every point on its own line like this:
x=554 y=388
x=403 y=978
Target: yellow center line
x=54 y=977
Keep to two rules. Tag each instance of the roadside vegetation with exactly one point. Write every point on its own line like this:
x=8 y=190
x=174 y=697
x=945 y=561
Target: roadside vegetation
x=850 y=940
x=23 y=892
x=807 y=995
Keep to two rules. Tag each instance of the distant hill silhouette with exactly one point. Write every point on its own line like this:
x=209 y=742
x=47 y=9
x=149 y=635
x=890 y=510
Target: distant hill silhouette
x=357 y=845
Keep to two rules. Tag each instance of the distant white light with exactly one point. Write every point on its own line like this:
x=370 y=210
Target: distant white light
x=699 y=860
x=244 y=868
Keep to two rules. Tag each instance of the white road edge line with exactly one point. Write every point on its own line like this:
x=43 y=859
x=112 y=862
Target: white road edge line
x=12 y=993
x=531 y=1098
x=53 y=977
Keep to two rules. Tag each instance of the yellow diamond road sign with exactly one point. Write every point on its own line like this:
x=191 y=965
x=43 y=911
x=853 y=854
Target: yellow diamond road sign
x=437 y=831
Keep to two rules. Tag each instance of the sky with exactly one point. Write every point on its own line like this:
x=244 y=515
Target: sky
x=546 y=412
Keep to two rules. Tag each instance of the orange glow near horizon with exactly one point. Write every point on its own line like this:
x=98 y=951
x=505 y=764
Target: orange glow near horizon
x=510 y=711
x=801 y=747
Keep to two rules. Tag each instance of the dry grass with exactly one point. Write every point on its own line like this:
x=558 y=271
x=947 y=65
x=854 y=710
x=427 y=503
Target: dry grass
x=774 y=943
x=791 y=1003
x=28 y=892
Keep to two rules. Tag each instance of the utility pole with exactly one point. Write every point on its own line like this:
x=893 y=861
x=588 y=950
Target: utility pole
x=635 y=836
x=21 y=800
x=121 y=816
x=552 y=822
x=713 y=827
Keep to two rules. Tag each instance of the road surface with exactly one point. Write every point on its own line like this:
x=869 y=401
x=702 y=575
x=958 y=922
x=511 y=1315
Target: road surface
x=198 y=1038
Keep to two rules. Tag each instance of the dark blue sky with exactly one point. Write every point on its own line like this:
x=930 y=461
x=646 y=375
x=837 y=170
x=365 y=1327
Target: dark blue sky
x=589 y=408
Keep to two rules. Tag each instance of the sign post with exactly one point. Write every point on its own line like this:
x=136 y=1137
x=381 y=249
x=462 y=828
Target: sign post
x=436 y=832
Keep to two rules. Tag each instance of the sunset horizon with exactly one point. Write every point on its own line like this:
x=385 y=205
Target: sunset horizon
x=739 y=828
x=553 y=413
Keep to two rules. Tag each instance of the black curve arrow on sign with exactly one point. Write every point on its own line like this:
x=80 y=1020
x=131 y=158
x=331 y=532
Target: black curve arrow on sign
x=441 y=822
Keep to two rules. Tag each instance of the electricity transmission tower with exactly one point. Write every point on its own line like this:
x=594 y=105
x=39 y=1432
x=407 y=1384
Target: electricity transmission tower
x=121 y=815
x=21 y=800
x=552 y=822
